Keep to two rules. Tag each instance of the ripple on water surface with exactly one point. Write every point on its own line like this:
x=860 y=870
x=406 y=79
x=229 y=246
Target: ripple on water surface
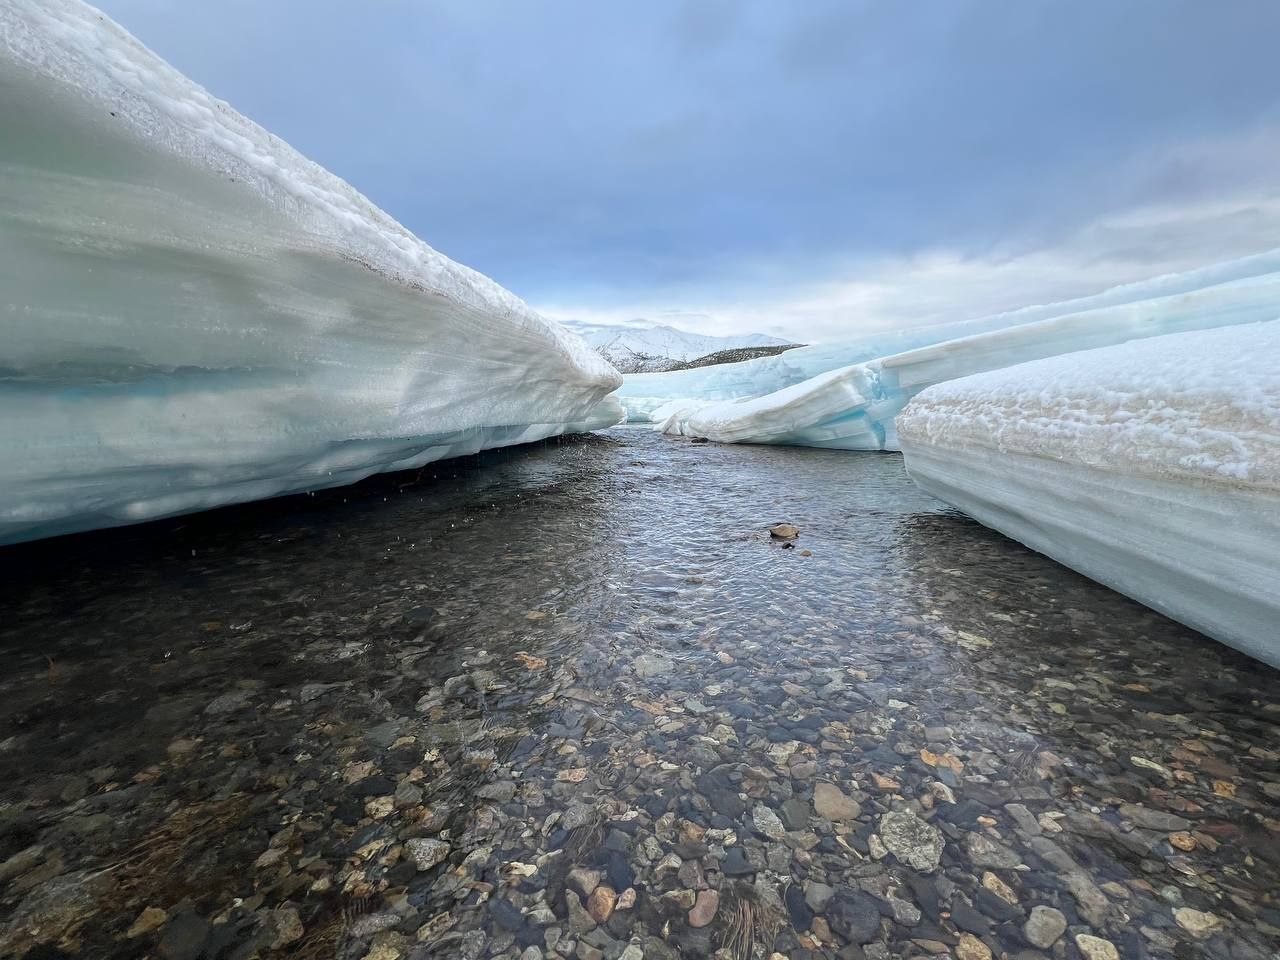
x=573 y=699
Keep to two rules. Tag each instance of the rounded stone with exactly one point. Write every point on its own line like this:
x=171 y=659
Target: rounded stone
x=425 y=854
x=1198 y=923
x=704 y=908
x=971 y=948
x=1095 y=948
x=1044 y=926
x=854 y=915
x=915 y=842
x=832 y=803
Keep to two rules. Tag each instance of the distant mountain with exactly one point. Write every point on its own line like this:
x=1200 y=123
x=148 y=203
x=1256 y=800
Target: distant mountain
x=735 y=355
x=649 y=347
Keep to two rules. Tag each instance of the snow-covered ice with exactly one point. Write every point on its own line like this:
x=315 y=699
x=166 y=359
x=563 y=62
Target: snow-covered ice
x=853 y=407
x=1151 y=466
x=194 y=314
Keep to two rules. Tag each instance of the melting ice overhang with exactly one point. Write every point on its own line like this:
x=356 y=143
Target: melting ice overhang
x=1151 y=466
x=847 y=394
x=193 y=314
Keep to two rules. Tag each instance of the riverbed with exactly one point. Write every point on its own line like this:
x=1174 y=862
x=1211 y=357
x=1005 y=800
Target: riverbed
x=574 y=700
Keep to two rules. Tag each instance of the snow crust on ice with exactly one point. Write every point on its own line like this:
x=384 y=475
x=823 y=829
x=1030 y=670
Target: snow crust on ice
x=192 y=313
x=854 y=407
x=1151 y=466
x=653 y=397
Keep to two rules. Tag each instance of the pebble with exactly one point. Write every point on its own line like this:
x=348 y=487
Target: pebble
x=997 y=886
x=704 y=908
x=580 y=919
x=985 y=852
x=584 y=880
x=1096 y=948
x=1197 y=922
x=915 y=842
x=426 y=853
x=832 y=803
x=854 y=915
x=651 y=665
x=971 y=948
x=1154 y=819
x=601 y=903
x=1044 y=926
x=735 y=863
x=767 y=823
x=817 y=895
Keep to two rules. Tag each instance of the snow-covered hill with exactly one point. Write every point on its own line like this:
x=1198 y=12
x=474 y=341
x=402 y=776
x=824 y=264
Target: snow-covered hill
x=648 y=347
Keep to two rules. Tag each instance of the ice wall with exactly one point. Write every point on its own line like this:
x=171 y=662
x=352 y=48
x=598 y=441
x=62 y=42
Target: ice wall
x=194 y=314
x=642 y=394
x=1152 y=467
x=854 y=407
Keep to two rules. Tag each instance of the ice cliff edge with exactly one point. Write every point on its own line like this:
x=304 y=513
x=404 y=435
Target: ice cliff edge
x=193 y=314
x=1151 y=466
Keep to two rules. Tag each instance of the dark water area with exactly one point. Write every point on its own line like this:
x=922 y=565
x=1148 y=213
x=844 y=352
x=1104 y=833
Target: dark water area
x=572 y=700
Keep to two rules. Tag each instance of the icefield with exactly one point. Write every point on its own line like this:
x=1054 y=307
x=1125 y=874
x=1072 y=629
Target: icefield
x=193 y=314
x=846 y=395
x=1152 y=467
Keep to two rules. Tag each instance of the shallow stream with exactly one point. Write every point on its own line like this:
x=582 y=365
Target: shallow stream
x=573 y=700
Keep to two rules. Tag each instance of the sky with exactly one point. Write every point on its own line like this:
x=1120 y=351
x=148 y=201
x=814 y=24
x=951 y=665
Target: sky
x=810 y=170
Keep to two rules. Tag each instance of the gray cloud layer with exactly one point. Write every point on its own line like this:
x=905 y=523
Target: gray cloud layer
x=770 y=163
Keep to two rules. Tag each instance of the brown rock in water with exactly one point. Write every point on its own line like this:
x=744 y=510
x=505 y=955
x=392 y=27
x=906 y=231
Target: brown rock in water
x=601 y=903
x=832 y=802
x=784 y=531
x=704 y=908
x=971 y=948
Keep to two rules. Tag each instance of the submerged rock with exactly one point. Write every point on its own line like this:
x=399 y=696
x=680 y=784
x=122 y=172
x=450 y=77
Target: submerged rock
x=1044 y=926
x=915 y=842
x=854 y=915
x=833 y=803
x=427 y=853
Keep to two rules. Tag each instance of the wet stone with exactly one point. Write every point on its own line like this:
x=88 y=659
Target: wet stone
x=817 y=896
x=993 y=905
x=580 y=919
x=427 y=853
x=506 y=915
x=832 y=803
x=1154 y=819
x=1198 y=923
x=913 y=841
x=1044 y=926
x=502 y=792
x=650 y=665
x=794 y=814
x=854 y=915
x=964 y=916
x=183 y=937
x=704 y=908
x=798 y=909
x=985 y=852
x=972 y=948
x=1096 y=948
x=767 y=823
x=735 y=863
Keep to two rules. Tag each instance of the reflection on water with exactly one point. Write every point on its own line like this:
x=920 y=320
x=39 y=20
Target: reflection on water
x=573 y=700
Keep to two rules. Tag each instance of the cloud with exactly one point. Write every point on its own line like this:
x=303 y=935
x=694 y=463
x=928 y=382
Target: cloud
x=940 y=285
x=800 y=167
